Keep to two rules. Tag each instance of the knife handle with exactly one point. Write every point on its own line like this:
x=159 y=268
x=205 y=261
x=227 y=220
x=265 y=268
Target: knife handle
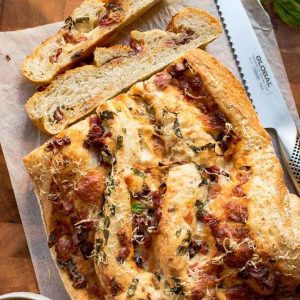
x=291 y=162
x=294 y=162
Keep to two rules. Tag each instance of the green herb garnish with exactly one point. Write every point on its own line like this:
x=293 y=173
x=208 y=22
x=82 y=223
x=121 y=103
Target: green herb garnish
x=132 y=288
x=200 y=210
x=119 y=142
x=99 y=245
x=107 y=115
x=178 y=233
x=124 y=130
x=138 y=173
x=287 y=10
x=177 y=288
x=165 y=112
x=112 y=209
x=106 y=222
x=184 y=247
x=137 y=208
x=202 y=148
x=69 y=23
x=176 y=128
x=109 y=186
x=82 y=19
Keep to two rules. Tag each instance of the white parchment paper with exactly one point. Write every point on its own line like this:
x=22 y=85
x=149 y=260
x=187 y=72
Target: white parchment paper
x=18 y=136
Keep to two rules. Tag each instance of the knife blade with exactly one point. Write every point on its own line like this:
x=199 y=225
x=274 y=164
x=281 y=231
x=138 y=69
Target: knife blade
x=261 y=84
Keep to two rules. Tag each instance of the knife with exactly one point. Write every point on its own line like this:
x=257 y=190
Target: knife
x=261 y=84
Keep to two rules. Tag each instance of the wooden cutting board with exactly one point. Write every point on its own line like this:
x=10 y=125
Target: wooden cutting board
x=16 y=271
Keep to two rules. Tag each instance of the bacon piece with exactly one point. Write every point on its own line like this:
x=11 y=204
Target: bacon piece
x=239 y=257
x=54 y=58
x=94 y=137
x=243 y=177
x=79 y=279
x=240 y=292
x=53 y=237
x=213 y=173
x=207 y=279
x=225 y=235
x=261 y=279
x=66 y=207
x=56 y=144
x=54 y=193
x=86 y=249
x=64 y=247
x=115 y=286
x=162 y=80
x=214 y=190
x=238 y=191
x=70 y=38
x=188 y=218
x=90 y=187
x=113 y=15
x=136 y=46
x=124 y=251
x=58 y=114
x=236 y=212
x=158 y=145
x=184 y=38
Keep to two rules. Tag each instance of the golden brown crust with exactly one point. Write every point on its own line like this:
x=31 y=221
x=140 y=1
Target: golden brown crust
x=58 y=53
x=150 y=51
x=187 y=153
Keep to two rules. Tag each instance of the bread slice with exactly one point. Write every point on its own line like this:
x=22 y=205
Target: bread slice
x=91 y=24
x=79 y=91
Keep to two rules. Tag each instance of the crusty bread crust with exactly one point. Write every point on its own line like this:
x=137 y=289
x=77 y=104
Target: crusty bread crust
x=39 y=68
x=116 y=68
x=273 y=214
x=38 y=165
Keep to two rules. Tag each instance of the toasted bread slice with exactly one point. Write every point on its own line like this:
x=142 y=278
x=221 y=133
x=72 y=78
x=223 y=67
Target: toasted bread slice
x=91 y=24
x=79 y=91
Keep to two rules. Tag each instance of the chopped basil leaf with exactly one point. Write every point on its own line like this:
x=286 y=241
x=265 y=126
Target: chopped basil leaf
x=137 y=208
x=109 y=186
x=176 y=128
x=119 y=142
x=107 y=115
x=99 y=244
x=204 y=181
x=112 y=209
x=102 y=258
x=105 y=234
x=138 y=172
x=177 y=288
x=184 y=247
x=181 y=250
x=178 y=233
x=165 y=111
x=200 y=210
x=82 y=19
x=202 y=148
x=106 y=222
x=132 y=288
x=69 y=23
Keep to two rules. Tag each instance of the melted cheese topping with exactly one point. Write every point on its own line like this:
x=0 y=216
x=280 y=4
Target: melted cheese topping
x=172 y=188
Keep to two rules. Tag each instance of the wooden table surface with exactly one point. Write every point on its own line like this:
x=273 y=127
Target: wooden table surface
x=16 y=271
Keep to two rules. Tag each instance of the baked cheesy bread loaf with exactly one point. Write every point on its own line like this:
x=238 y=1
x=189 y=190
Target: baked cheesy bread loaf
x=77 y=92
x=174 y=191
x=91 y=24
